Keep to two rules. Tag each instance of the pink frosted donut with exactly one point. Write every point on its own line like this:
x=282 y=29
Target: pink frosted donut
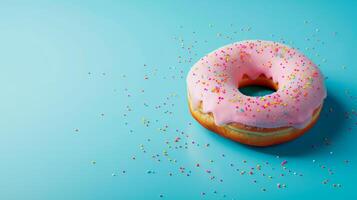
x=216 y=102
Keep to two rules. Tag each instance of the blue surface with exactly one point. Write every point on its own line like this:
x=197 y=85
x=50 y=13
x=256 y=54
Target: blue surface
x=256 y=90
x=93 y=97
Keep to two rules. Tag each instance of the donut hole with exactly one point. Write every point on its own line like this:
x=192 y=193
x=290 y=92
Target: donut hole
x=258 y=87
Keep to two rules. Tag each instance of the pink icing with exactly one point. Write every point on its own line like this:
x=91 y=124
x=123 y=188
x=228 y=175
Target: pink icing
x=214 y=81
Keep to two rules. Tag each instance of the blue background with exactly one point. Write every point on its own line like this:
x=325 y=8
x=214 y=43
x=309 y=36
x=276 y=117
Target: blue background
x=93 y=97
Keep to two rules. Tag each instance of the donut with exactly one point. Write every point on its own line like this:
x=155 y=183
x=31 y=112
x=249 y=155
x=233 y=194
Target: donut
x=217 y=104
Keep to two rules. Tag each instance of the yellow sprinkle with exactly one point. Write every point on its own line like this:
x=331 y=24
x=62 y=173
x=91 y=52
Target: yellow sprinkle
x=227 y=57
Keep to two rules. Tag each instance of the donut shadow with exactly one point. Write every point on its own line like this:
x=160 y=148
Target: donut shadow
x=326 y=130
